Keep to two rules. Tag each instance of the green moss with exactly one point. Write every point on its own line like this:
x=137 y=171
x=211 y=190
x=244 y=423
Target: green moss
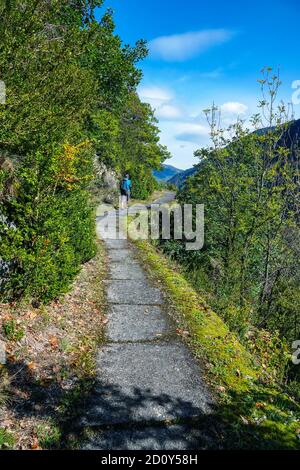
x=218 y=344
x=254 y=412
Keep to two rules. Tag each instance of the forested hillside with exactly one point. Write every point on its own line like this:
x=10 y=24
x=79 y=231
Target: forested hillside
x=248 y=269
x=70 y=99
x=166 y=173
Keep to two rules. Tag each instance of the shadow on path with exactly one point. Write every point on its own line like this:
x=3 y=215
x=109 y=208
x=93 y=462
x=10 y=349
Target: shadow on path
x=110 y=420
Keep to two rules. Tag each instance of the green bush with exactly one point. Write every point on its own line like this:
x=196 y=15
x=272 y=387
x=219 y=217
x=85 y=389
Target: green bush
x=143 y=185
x=52 y=226
x=66 y=100
x=248 y=269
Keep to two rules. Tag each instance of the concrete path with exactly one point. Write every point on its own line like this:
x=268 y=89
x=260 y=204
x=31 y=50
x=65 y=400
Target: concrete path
x=168 y=196
x=150 y=393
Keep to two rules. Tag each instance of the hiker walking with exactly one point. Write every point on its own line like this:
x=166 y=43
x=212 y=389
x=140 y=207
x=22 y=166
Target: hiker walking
x=125 y=191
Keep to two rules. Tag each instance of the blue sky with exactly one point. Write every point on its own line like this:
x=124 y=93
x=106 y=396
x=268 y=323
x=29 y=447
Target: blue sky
x=203 y=51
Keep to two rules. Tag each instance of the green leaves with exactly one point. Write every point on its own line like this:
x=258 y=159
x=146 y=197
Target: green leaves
x=249 y=187
x=71 y=92
x=53 y=88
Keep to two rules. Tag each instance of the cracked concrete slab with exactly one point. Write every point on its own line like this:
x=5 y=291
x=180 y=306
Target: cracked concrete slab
x=116 y=244
x=133 y=292
x=136 y=323
x=126 y=271
x=173 y=437
x=147 y=383
x=121 y=255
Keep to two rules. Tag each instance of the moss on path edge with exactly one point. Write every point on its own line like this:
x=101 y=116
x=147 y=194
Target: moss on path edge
x=251 y=412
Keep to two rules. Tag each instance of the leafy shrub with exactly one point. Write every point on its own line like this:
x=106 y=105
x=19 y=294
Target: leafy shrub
x=51 y=230
x=71 y=92
x=248 y=269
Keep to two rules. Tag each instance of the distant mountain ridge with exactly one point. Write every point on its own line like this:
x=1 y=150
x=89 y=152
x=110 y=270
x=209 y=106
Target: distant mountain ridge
x=179 y=179
x=289 y=139
x=167 y=172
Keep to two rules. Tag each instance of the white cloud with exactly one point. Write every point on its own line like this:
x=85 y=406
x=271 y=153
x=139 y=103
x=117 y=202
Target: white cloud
x=168 y=111
x=162 y=100
x=192 y=127
x=154 y=95
x=191 y=132
x=182 y=150
x=180 y=47
x=233 y=107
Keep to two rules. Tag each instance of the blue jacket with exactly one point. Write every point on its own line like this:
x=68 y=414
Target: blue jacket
x=126 y=184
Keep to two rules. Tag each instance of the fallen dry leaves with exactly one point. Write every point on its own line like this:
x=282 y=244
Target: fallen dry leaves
x=53 y=342
x=181 y=332
x=49 y=354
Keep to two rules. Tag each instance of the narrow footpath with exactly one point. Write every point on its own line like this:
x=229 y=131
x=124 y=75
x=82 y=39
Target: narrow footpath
x=150 y=393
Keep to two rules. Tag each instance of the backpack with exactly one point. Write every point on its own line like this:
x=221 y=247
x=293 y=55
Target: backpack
x=124 y=185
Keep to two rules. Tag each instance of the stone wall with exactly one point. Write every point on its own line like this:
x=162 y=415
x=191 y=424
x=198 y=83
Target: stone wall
x=106 y=184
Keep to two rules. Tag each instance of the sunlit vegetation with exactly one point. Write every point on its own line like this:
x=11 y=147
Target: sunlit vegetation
x=70 y=99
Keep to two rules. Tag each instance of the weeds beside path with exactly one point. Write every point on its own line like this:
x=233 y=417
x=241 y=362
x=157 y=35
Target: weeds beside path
x=51 y=361
x=252 y=412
